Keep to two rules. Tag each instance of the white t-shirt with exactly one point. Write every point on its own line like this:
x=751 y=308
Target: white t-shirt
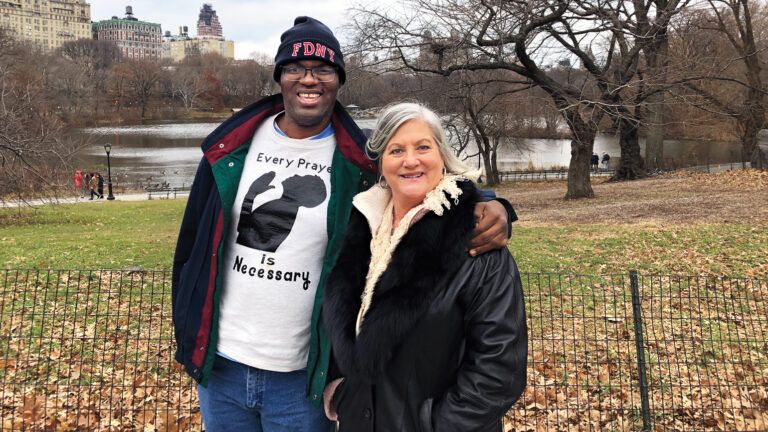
x=274 y=251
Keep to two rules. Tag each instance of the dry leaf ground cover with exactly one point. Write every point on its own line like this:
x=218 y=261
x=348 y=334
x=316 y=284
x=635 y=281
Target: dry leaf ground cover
x=704 y=338
x=92 y=350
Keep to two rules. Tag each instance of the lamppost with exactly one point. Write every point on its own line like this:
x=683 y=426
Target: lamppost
x=108 y=148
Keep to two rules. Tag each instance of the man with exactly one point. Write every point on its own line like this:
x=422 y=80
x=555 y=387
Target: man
x=606 y=160
x=265 y=219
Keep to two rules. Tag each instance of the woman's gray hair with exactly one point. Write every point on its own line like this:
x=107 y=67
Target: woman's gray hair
x=393 y=116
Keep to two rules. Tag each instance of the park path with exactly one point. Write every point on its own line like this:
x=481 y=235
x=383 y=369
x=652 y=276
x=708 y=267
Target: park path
x=139 y=196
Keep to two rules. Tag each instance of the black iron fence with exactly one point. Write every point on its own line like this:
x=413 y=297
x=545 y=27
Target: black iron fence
x=550 y=174
x=93 y=350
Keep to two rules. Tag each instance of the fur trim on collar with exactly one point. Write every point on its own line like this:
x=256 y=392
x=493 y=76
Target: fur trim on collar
x=373 y=202
x=385 y=238
x=433 y=249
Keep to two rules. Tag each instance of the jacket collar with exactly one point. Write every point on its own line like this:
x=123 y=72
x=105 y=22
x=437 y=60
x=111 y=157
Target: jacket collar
x=239 y=129
x=373 y=202
x=421 y=266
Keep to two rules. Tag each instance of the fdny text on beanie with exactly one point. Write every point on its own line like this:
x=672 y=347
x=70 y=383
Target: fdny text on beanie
x=309 y=39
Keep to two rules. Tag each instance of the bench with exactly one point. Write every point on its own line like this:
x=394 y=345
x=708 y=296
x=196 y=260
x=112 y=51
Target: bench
x=167 y=192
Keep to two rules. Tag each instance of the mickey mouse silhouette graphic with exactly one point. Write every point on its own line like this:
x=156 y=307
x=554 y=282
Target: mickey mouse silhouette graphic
x=266 y=227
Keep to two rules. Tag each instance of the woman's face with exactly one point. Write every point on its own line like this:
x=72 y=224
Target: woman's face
x=411 y=163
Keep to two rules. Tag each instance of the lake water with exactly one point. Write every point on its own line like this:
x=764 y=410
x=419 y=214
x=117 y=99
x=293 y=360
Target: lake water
x=170 y=152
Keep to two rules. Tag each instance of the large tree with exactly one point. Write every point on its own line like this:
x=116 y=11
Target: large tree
x=525 y=37
x=450 y=36
x=141 y=79
x=726 y=75
x=86 y=65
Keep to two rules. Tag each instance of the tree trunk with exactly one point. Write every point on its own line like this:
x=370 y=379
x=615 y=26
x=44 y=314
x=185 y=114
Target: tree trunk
x=750 y=145
x=753 y=121
x=491 y=171
x=486 y=151
x=494 y=164
x=759 y=158
x=631 y=164
x=582 y=143
x=654 y=141
x=754 y=106
x=656 y=54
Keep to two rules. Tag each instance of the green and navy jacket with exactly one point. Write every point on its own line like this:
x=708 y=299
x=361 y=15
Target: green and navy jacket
x=197 y=265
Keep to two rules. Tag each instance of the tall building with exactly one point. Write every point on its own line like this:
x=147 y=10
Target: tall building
x=137 y=40
x=210 y=39
x=208 y=25
x=47 y=23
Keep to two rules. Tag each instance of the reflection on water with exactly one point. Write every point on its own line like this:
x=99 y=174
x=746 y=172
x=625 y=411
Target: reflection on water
x=148 y=154
x=171 y=152
x=173 y=130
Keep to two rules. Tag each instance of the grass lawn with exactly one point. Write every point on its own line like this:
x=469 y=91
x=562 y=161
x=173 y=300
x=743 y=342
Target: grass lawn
x=691 y=224
x=110 y=235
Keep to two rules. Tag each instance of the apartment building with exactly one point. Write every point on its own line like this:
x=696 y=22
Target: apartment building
x=137 y=40
x=209 y=38
x=46 y=23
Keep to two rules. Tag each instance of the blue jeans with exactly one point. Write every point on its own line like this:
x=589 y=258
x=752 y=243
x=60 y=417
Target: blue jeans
x=245 y=399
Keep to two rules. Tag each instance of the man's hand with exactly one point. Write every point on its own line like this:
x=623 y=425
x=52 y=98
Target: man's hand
x=490 y=228
x=330 y=389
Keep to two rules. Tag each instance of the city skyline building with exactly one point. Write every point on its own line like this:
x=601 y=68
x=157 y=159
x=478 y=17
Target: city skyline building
x=208 y=25
x=209 y=39
x=46 y=23
x=136 y=40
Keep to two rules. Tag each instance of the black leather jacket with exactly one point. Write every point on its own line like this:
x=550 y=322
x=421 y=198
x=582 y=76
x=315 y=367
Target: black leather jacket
x=444 y=343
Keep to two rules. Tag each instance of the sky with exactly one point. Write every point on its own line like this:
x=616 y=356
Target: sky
x=254 y=25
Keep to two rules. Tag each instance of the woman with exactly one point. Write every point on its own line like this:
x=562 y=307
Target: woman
x=93 y=184
x=79 y=183
x=424 y=337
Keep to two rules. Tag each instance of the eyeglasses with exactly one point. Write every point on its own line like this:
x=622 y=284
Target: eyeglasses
x=321 y=73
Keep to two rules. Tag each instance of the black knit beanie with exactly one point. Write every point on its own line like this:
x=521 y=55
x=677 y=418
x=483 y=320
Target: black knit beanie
x=309 y=39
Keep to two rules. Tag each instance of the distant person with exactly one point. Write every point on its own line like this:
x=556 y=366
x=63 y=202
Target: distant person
x=79 y=183
x=93 y=185
x=606 y=160
x=100 y=185
x=594 y=161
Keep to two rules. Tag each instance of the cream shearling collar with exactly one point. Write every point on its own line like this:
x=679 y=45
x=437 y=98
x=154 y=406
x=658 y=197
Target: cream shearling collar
x=374 y=201
x=377 y=207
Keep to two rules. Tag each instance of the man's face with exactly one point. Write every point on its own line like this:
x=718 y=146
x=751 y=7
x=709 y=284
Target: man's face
x=308 y=102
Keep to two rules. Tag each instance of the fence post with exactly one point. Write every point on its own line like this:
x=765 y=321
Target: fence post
x=638 y=323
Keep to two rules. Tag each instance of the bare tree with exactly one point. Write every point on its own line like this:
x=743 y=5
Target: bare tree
x=733 y=88
x=32 y=143
x=141 y=79
x=88 y=62
x=656 y=53
x=246 y=81
x=187 y=84
x=451 y=36
x=606 y=37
